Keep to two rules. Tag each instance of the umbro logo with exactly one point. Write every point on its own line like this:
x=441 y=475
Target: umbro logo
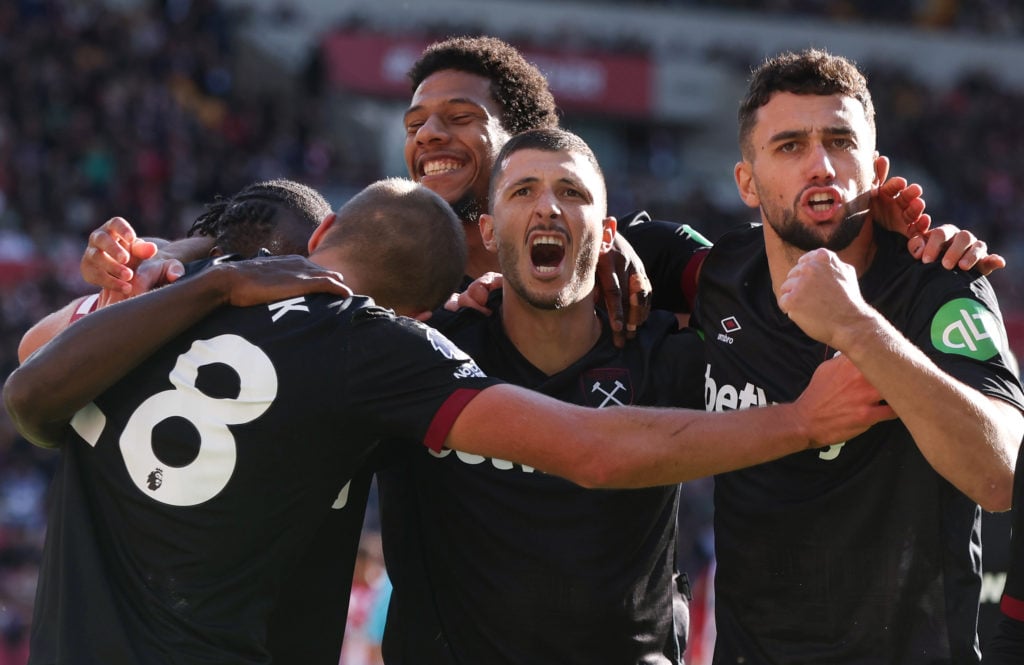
x=729 y=325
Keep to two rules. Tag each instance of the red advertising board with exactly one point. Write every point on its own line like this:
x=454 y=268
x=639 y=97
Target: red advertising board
x=604 y=83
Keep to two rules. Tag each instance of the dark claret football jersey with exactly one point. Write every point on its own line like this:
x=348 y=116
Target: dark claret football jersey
x=188 y=492
x=1007 y=644
x=858 y=553
x=493 y=562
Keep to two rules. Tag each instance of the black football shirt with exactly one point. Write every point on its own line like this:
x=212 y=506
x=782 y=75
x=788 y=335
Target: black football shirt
x=494 y=562
x=1007 y=644
x=188 y=493
x=861 y=552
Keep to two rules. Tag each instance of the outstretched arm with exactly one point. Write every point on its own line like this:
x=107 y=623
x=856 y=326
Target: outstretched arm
x=52 y=385
x=969 y=438
x=647 y=446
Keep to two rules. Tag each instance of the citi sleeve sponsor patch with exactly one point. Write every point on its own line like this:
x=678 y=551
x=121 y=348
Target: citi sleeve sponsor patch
x=966 y=327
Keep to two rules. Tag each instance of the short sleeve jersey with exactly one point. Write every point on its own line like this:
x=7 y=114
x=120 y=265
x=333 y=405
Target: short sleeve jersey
x=494 y=562
x=859 y=553
x=671 y=254
x=188 y=492
x=1006 y=646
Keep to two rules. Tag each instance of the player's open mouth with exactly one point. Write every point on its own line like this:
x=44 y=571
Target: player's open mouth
x=547 y=252
x=821 y=203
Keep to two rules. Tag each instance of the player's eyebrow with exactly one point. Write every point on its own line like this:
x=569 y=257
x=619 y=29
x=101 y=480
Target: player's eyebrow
x=448 y=102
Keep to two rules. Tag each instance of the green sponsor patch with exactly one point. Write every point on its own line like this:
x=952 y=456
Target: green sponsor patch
x=966 y=327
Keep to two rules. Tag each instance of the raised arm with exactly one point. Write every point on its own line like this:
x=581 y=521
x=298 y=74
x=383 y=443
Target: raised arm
x=52 y=385
x=898 y=207
x=647 y=446
x=112 y=254
x=623 y=287
x=969 y=438
x=52 y=324
x=122 y=265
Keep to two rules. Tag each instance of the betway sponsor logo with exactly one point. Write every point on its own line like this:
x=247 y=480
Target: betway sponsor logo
x=727 y=397
x=471 y=459
x=992 y=585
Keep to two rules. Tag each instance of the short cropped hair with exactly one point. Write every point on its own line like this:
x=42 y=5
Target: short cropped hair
x=408 y=244
x=516 y=85
x=278 y=215
x=808 y=72
x=551 y=139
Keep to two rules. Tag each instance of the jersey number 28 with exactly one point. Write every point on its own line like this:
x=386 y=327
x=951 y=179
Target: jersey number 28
x=209 y=472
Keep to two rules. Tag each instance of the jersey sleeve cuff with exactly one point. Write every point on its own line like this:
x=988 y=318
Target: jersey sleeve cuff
x=446 y=416
x=85 y=307
x=1012 y=607
x=689 y=277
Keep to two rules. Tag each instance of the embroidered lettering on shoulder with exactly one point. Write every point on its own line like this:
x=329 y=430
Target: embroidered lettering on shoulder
x=282 y=307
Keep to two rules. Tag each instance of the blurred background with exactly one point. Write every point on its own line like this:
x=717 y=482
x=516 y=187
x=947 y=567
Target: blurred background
x=147 y=110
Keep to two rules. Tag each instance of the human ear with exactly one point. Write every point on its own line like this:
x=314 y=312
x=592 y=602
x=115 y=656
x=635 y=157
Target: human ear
x=321 y=231
x=487 y=232
x=743 y=172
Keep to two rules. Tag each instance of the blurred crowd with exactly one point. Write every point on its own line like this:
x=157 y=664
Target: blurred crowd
x=1002 y=17
x=103 y=111
x=135 y=112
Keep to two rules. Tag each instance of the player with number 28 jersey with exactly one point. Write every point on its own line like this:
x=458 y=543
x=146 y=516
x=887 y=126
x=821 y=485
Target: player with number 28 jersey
x=251 y=425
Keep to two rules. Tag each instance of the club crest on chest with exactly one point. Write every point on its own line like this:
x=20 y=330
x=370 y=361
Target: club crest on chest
x=611 y=386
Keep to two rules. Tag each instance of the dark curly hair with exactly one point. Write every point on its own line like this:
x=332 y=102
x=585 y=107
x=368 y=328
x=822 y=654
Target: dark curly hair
x=249 y=220
x=516 y=85
x=809 y=72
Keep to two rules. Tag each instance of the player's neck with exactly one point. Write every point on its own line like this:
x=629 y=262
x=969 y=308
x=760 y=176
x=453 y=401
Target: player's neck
x=782 y=256
x=551 y=340
x=479 y=259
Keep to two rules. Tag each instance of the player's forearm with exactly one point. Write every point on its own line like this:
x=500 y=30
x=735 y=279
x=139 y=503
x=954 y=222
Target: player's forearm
x=968 y=438
x=668 y=446
x=88 y=357
x=623 y=446
x=46 y=329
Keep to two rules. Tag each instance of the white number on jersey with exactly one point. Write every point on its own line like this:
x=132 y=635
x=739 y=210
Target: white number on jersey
x=204 y=477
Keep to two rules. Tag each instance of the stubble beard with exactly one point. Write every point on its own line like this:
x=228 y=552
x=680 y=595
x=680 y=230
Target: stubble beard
x=468 y=208
x=576 y=289
x=793 y=232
